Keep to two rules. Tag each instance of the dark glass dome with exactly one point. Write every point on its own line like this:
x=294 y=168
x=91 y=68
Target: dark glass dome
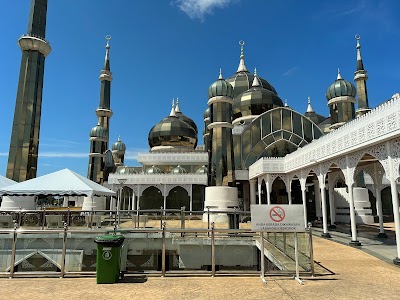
x=171 y=131
x=154 y=170
x=340 y=88
x=255 y=101
x=178 y=170
x=118 y=146
x=242 y=81
x=186 y=119
x=98 y=131
x=220 y=88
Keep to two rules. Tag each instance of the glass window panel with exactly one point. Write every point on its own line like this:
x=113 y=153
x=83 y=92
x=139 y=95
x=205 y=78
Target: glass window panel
x=286 y=135
x=317 y=132
x=277 y=135
x=269 y=140
x=296 y=139
x=307 y=130
x=276 y=120
x=246 y=142
x=297 y=128
x=255 y=132
x=266 y=125
x=287 y=120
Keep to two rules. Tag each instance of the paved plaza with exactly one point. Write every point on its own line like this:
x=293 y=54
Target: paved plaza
x=351 y=274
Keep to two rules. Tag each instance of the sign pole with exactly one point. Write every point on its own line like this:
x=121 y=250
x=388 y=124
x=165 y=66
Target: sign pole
x=262 y=261
x=296 y=257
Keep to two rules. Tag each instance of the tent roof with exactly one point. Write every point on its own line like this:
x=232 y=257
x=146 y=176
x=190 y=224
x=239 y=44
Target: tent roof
x=61 y=183
x=4 y=181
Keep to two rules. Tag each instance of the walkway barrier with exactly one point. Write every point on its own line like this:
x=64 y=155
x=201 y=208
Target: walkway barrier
x=153 y=251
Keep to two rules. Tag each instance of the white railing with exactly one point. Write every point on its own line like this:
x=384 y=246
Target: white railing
x=159 y=179
x=173 y=158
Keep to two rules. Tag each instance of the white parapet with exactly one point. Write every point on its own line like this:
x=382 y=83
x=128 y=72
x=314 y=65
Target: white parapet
x=18 y=202
x=220 y=198
x=95 y=203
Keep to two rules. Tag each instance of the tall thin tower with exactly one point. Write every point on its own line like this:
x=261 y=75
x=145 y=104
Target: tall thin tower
x=361 y=77
x=24 y=145
x=99 y=135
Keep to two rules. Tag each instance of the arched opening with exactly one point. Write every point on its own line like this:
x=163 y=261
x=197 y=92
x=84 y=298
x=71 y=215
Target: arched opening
x=279 y=194
x=151 y=199
x=177 y=198
x=296 y=191
x=198 y=195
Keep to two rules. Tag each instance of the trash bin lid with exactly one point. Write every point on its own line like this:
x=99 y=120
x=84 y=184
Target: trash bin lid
x=113 y=240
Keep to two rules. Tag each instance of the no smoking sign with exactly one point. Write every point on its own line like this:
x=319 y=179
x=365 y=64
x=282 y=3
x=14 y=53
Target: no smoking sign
x=277 y=214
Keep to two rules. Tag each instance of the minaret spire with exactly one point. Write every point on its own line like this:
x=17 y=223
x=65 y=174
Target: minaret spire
x=338 y=74
x=177 y=108
x=172 y=113
x=99 y=144
x=242 y=66
x=256 y=82
x=309 y=107
x=24 y=144
x=361 y=77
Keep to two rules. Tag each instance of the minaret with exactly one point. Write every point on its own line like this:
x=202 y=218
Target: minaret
x=99 y=135
x=24 y=145
x=361 y=77
x=221 y=168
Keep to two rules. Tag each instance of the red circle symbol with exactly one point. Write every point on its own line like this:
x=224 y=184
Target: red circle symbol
x=277 y=214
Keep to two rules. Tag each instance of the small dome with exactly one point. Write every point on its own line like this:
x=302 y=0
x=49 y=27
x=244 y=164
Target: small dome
x=118 y=146
x=340 y=88
x=178 y=170
x=124 y=170
x=207 y=113
x=220 y=88
x=243 y=81
x=255 y=101
x=184 y=118
x=153 y=170
x=98 y=131
x=171 y=131
x=202 y=170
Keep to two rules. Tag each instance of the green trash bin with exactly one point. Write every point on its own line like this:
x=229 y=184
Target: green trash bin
x=108 y=259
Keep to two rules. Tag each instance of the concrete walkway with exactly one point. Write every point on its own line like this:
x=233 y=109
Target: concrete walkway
x=382 y=248
x=353 y=274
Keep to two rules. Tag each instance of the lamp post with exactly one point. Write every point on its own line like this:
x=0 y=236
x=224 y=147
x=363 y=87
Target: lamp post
x=121 y=182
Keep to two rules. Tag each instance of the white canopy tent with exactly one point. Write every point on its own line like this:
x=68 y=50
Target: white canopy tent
x=61 y=183
x=4 y=181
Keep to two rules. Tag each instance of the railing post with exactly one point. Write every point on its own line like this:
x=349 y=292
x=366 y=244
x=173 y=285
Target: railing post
x=64 y=250
x=284 y=241
x=183 y=219
x=20 y=217
x=91 y=219
x=212 y=250
x=262 y=258
x=235 y=220
x=310 y=246
x=13 y=250
x=161 y=216
x=208 y=220
x=44 y=218
x=68 y=216
x=163 y=250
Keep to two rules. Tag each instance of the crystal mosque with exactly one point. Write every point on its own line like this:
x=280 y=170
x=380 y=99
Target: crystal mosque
x=253 y=149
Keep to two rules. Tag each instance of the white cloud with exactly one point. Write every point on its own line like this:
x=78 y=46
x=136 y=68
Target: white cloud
x=290 y=72
x=63 y=154
x=133 y=154
x=197 y=9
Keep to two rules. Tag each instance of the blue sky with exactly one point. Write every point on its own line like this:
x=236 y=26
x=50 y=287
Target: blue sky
x=166 y=49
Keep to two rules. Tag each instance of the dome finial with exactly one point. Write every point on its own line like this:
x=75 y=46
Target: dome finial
x=172 y=113
x=256 y=82
x=360 y=65
x=242 y=66
x=119 y=138
x=220 y=74
x=338 y=74
x=177 y=108
x=107 y=59
x=286 y=104
x=309 y=107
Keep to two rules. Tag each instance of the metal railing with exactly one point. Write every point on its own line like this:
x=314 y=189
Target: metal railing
x=79 y=243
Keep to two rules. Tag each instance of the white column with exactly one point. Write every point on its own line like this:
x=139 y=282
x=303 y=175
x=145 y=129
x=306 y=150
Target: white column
x=317 y=198
x=268 y=185
x=324 y=211
x=165 y=197
x=259 y=189
x=133 y=201
x=289 y=191
x=253 y=183
x=395 y=201
x=332 y=205
x=379 y=211
x=352 y=216
x=191 y=197
x=303 y=198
